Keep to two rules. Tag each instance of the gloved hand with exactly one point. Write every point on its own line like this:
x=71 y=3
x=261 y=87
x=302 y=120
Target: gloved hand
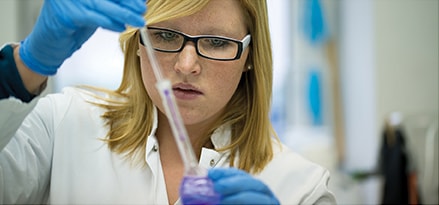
x=238 y=187
x=64 y=25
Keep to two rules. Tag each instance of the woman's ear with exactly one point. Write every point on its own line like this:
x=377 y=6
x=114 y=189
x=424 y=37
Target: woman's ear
x=247 y=67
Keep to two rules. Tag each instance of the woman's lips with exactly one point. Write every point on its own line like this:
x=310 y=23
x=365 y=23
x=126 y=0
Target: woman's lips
x=185 y=91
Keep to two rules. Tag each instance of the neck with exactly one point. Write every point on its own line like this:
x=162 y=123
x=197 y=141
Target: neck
x=166 y=138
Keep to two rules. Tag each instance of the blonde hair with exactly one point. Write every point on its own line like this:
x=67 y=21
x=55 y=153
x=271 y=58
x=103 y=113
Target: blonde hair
x=247 y=113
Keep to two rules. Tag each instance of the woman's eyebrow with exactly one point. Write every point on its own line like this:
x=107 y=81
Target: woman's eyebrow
x=226 y=32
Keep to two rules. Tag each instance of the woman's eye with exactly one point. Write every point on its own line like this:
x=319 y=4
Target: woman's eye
x=216 y=42
x=168 y=35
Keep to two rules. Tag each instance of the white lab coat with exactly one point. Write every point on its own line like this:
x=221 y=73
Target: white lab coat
x=57 y=156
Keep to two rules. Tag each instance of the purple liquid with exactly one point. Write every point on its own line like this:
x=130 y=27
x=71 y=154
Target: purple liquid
x=198 y=190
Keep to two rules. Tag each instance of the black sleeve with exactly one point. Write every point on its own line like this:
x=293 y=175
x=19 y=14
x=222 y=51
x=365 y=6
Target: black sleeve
x=10 y=80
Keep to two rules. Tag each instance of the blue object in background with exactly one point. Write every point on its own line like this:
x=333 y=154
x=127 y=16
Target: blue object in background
x=313 y=22
x=315 y=31
x=315 y=96
x=278 y=111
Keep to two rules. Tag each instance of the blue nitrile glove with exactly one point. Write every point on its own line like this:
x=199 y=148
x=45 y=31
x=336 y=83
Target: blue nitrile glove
x=238 y=187
x=64 y=25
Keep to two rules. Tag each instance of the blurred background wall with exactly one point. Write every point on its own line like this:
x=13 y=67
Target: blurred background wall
x=336 y=83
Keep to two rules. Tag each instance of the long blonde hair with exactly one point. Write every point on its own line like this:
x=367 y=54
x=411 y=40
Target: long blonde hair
x=247 y=113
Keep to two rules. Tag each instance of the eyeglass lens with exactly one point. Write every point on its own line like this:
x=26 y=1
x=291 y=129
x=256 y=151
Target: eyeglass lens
x=211 y=47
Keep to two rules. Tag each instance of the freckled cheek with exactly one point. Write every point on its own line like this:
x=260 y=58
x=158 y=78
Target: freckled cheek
x=149 y=82
x=147 y=73
x=227 y=84
x=148 y=76
x=166 y=63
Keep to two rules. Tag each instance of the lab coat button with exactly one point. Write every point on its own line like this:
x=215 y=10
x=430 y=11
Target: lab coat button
x=212 y=163
x=155 y=148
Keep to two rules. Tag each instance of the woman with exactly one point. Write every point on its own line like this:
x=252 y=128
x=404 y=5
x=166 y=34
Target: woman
x=103 y=146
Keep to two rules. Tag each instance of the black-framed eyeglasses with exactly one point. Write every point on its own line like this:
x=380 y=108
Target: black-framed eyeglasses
x=208 y=46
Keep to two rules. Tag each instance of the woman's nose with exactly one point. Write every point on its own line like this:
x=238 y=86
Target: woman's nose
x=187 y=62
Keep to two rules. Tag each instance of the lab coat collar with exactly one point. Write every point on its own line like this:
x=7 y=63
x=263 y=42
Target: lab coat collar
x=220 y=137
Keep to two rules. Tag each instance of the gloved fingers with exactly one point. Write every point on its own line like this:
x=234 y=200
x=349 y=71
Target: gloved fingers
x=248 y=198
x=94 y=13
x=82 y=36
x=219 y=173
x=241 y=183
x=96 y=19
x=138 y=6
x=231 y=180
x=111 y=15
x=69 y=23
